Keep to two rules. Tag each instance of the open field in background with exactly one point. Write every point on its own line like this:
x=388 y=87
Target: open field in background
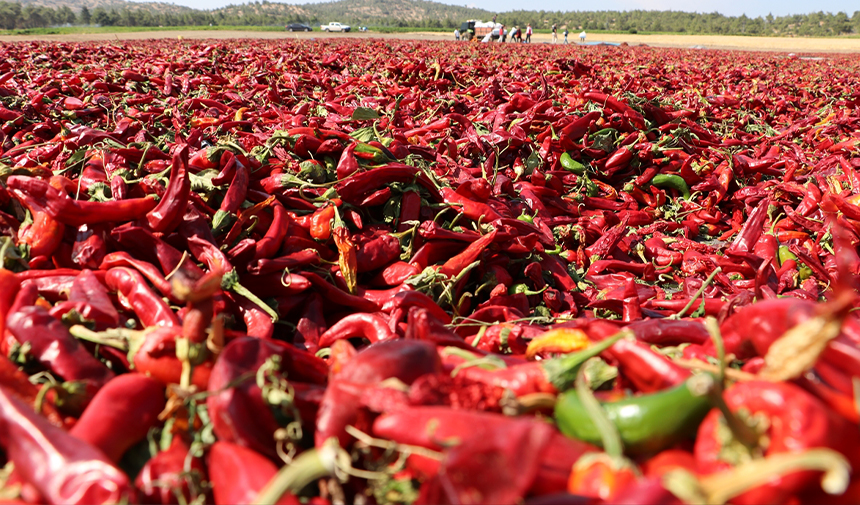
x=778 y=44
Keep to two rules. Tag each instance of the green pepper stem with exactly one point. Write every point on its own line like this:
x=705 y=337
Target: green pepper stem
x=128 y=341
x=231 y=281
x=306 y=467
x=561 y=372
x=699 y=293
x=609 y=435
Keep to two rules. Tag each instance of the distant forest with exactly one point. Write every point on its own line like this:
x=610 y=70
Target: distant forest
x=427 y=14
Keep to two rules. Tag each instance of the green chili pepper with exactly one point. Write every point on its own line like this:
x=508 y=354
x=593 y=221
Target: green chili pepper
x=648 y=423
x=568 y=163
x=671 y=181
x=784 y=254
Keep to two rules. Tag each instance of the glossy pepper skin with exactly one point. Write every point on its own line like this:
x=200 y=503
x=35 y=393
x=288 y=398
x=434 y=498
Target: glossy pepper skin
x=435 y=427
x=55 y=348
x=795 y=421
x=642 y=421
x=121 y=414
x=405 y=360
x=62 y=468
x=65 y=210
x=239 y=413
x=167 y=215
x=238 y=474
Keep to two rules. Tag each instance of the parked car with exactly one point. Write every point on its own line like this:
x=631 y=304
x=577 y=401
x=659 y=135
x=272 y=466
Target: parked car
x=335 y=27
x=298 y=27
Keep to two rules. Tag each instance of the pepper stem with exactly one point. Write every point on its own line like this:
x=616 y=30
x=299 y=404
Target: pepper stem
x=306 y=467
x=720 y=487
x=561 y=372
x=699 y=293
x=742 y=432
x=609 y=435
x=129 y=341
x=798 y=349
x=231 y=281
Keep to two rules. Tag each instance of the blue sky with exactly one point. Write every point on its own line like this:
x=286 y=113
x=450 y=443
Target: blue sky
x=727 y=7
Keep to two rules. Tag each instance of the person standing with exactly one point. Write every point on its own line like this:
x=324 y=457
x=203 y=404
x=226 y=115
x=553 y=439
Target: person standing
x=554 y=33
x=529 y=33
x=582 y=36
x=456 y=34
x=565 y=35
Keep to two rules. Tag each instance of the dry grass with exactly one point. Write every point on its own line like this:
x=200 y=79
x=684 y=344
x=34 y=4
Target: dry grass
x=777 y=44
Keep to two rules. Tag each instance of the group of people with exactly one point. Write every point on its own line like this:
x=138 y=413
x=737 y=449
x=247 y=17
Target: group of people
x=516 y=34
x=565 y=33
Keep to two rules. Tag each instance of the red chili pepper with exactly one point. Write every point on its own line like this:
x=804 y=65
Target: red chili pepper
x=405 y=360
x=458 y=263
x=646 y=369
x=164 y=476
x=239 y=411
x=149 y=307
x=368 y=326
x=62 y=468
x=238 y=474
x=17 y=383
x=56 y=349
x=165 y=217
x=533 y=454
x=89 y=298
x=476 y=211
x=793 y=421
x=121 y=414
x=147 y=270
x=268 y=246
x=44 y=234
x=320 y=228
x=75 y=212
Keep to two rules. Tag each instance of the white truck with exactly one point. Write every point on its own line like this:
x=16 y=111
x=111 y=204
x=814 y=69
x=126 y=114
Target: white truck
x=335 y=27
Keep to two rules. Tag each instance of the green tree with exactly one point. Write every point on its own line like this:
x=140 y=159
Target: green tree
x=10 y=15
x=65 y=15
x=85 y=16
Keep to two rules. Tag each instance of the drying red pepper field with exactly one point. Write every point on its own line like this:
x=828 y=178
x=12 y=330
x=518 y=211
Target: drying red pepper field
x=384 y=271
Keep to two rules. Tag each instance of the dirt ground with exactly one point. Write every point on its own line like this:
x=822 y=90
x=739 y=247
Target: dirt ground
x=776 y=44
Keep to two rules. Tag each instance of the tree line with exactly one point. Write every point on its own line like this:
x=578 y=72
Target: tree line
x=426 y=14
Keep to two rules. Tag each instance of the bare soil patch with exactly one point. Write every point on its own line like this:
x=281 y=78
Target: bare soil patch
x=776 y=44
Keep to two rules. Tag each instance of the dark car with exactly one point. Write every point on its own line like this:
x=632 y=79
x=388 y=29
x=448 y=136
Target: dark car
x=298 y=27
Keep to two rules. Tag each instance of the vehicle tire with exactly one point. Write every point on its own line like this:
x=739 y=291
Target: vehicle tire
x=347 y=30
x=290 y=30
x=326 y=30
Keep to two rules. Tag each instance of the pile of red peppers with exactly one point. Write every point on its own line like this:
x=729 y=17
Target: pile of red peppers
x=377 y=271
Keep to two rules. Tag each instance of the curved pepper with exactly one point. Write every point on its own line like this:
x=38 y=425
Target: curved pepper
x=369 y=326
x=787 y=419
x=167 y=215
x=239 y=412
x=647 y=424
x=76 y=212
x=121 y=414
x=62 y=468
